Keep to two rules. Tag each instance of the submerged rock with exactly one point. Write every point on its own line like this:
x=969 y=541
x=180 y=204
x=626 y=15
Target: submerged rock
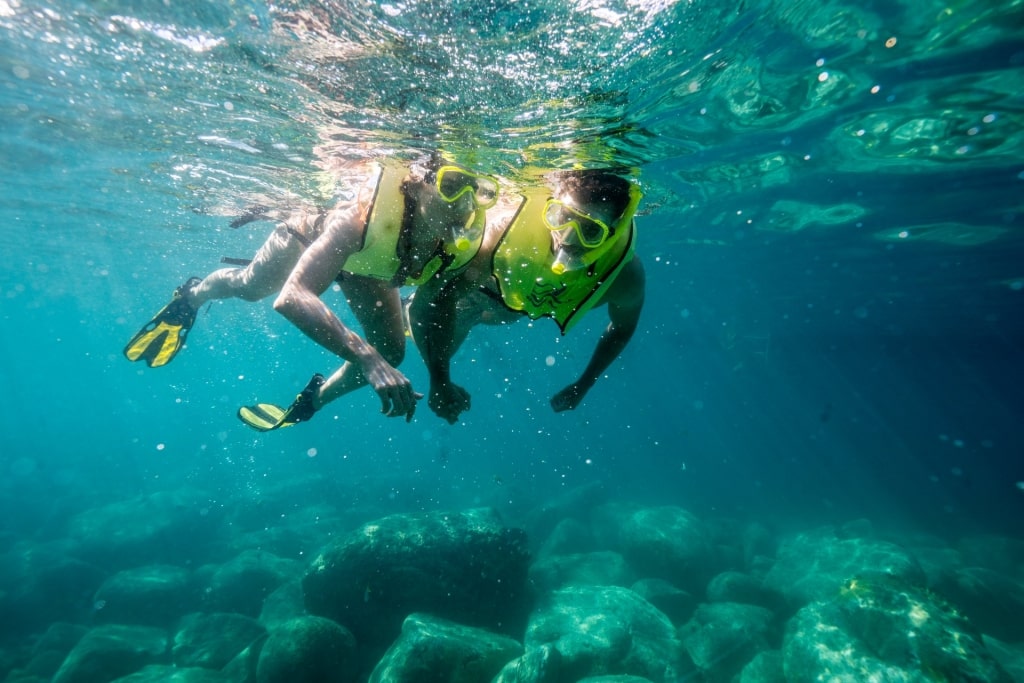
x=880 y=628
x=569 y=536
x=542 y=664
x=283 y=604
x=438 y=650
x=307 y=650
x=600 y=630
x=169 y=526
x=154 y=595
x=675 y=603
x=993 y=602
x=766 y=667
x=242 y=584
x=722 y=637
x=213 y=640
x=1010 y=657
x=661 y=542
x=595 y=569
x=815 y=565
x=44 y=583
x=463 y=566
x=52 y=648
x=112 y=651
x=734 y=586
x=165 y=673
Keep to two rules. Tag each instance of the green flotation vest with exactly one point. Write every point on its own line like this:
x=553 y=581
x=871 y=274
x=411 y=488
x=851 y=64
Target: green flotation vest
x=523 y=259
x=379 y=254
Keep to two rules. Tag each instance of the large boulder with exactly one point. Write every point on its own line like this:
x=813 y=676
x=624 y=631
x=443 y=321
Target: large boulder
x=599 y=630
x=41 y=583
x=816 y=565
x=542 y=664
x=605 y=568
x=212 y=640
x=722 y=637
x=576 y=503
x=112 y=651
x=674 y=603
x=568 y=537
x=438 y=650
x=168 y=526
x=463 y=566
x=308 y=650
x=284 y=604
x=154 y=595
x=766 y=667
x=1010 y=657
x=666 y=542
x=732 y=586
x=52 y=648
x=242 y=584
x=881 y=628
x=166 y=673
x=993 y=601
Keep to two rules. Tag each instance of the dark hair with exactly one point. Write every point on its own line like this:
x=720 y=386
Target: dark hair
x=596 y=187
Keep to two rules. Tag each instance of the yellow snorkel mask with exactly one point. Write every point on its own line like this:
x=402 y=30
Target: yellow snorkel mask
x=591 y=238
x=452 y=184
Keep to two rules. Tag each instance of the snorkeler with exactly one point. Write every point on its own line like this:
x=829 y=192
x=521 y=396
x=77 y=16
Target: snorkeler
x=406 y=224
x=562 y=254
x=556 y=254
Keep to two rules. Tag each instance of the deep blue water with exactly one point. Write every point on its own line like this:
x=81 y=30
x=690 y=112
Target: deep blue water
x=833 y=327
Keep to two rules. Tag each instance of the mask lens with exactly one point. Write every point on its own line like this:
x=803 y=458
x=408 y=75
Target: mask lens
x=453 y=182
x=486 y=194
x=590 y=231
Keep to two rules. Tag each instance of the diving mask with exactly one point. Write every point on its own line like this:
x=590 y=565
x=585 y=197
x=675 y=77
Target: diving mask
x=454 y=182
x=590 y=232
x=591 y=237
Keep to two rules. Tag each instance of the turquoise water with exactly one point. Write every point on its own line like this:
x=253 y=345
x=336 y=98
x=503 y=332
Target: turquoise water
x=831 y=231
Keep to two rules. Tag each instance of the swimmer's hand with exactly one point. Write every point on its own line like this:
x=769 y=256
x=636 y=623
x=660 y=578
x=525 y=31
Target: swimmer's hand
x=448 y=400
x=569 y=397
x=397 y=396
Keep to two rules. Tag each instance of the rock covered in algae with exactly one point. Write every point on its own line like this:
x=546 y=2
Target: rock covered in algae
x=213 y=640
x=153 y=595
x=464 y=566
x=307 y=650
x=723 y=636
x=599 y=630
x=881 y=628
x=815 y=564
x=439 y=650
x=112 y=651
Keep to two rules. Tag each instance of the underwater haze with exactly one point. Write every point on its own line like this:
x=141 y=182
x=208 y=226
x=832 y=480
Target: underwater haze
x=824 y=393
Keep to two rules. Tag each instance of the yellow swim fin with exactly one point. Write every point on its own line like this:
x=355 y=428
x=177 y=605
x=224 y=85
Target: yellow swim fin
x=266 y=417
x=159 y=340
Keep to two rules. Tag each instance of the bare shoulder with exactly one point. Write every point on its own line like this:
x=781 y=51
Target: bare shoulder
x=628 y=287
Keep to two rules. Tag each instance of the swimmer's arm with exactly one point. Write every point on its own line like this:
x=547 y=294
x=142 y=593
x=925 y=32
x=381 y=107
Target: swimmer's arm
x=433 y=317
x=299 y=302
x=625 y=300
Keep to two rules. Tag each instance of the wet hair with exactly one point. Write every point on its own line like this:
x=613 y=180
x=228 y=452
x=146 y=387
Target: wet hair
x=421 y=170
x=596 y=187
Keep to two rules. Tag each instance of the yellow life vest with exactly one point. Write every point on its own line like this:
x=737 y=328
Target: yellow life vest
x=522 y=266
x=378 y=256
